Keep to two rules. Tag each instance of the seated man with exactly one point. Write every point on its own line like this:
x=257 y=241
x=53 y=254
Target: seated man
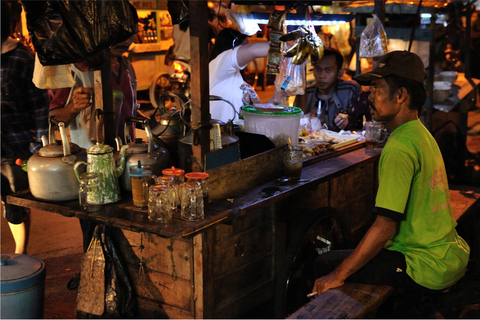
x=331 y=96
x=413 y=244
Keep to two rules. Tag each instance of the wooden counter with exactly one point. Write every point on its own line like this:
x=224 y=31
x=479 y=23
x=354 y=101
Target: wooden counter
x=227 y=264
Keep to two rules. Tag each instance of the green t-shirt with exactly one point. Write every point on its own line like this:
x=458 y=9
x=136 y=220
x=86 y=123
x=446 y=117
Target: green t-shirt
x=413 y=183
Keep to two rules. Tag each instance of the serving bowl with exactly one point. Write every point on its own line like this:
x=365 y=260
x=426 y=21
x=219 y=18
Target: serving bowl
x=448 y=76
x=441 y=91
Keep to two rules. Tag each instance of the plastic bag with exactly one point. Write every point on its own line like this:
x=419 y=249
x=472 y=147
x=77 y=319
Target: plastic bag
x=291 y=79
x=66 y=32
x=373 y=41
x=105 y=287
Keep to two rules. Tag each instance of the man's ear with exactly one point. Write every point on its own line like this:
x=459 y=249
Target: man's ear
x=402 y=94
x=340 y=73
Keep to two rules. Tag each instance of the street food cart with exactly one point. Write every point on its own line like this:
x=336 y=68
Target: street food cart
x=241 y=255
x=230 y=262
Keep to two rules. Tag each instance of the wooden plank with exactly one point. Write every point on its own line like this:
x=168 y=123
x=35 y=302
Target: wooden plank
x=151 y=309
x=235 y=252
x=199 y=80
x=198 y=276
x=237 y=177
x=163 y=288
x=241 y=282
x=350 y=301
x=167 y=255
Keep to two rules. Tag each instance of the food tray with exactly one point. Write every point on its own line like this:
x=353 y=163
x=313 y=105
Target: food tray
x=341 y=139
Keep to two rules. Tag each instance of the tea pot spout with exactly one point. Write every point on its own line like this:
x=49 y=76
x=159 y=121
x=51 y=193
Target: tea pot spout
x=121 y=160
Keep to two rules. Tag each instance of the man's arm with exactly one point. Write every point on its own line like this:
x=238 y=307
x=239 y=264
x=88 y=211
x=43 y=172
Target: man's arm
x=251 y=51
x=80 y=100
x=372 y=243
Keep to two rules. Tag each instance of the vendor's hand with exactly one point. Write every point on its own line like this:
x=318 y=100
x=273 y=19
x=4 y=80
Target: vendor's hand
x=341 y=122
x=326 y=282
x=82 y=98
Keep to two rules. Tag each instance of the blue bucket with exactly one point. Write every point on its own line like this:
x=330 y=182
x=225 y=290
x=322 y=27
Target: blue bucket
x=22 y=287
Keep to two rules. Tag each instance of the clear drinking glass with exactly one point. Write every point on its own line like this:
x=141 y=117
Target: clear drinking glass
x=202 y=178
x=192 y=202
x=89 y=193
x=293 y=162
x=167 y=182
x=141 y=181
x=178 y=176
x=159 y=207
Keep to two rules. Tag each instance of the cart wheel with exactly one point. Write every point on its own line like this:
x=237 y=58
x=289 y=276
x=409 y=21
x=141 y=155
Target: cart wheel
x=160 y=85
x=320 y=232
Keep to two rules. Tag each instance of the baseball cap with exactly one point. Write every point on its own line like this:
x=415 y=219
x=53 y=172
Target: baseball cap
x=400 y=63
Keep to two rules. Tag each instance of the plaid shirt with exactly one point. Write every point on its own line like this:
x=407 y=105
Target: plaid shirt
x=24 y=106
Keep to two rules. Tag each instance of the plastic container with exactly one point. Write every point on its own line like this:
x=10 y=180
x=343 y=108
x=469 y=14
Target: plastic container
x=22 y=286
x=277 y=126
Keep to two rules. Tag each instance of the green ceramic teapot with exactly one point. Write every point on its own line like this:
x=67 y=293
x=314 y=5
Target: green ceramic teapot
x=100 y=160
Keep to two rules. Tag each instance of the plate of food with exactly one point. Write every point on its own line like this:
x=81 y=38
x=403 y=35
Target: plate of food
x=319 y=141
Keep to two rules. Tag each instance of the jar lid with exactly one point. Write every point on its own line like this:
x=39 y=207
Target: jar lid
x=165 y=179
x=157 y=187
x=21 y=272
x=285 y=111
x=173 y=172
x=140 y=173
x=197 y=175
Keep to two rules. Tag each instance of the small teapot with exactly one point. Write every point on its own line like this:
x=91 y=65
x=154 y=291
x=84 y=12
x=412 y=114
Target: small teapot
x=100 y=160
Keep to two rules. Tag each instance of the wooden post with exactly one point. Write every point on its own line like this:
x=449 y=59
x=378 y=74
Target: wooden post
x=379 y=10
x=198 y=11
x=107 y=93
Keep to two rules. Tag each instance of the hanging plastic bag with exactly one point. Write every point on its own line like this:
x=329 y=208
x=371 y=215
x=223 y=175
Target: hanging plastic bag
x=373 y=41
x=66 y=32
x=291 y=79
x=105 y=287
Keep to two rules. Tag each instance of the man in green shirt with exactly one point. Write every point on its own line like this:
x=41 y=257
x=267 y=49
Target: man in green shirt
x=413 y=243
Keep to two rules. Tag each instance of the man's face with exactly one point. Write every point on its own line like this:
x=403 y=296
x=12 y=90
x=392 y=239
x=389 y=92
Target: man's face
x=383 y=106
x=326 y=74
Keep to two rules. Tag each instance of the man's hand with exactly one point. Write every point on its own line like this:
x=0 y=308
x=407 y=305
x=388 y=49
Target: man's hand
x=81 y=98
x=327 y=282
x=341 y=121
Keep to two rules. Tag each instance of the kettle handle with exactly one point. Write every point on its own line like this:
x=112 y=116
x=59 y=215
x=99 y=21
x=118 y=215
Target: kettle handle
x=75 y=168
x=145 y=125
x=65 y=142
x=54 y=122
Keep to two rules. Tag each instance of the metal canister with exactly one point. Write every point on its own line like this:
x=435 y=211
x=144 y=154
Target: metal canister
x=22 y=286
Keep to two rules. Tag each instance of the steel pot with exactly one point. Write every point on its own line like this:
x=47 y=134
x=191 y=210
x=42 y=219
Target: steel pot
x=149 y=155
x=51 y=172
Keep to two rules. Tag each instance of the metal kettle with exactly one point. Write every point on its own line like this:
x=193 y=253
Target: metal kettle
x=168 y=126
x=154 y=157
x=100 y=160
x=224 y=133
x=51 y=172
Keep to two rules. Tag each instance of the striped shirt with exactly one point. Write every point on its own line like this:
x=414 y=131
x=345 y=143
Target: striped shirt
x=24 y=106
